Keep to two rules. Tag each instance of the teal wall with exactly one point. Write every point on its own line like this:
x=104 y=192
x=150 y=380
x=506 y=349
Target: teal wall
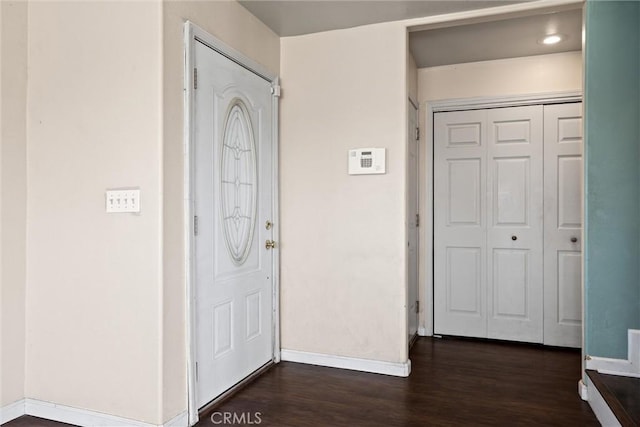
x=612 y=175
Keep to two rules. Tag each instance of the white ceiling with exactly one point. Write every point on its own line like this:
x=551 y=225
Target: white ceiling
x=297 y=17
x=500 y=39
x=496 y=40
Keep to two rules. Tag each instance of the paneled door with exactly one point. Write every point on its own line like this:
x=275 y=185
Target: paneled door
x=563 y=224
x=488 y=223
x=460 y=223
x=514 y=223
x=507 y=223
x=234 y=116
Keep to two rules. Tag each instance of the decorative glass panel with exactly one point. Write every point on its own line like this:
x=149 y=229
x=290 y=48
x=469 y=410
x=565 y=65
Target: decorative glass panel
x=238 y=184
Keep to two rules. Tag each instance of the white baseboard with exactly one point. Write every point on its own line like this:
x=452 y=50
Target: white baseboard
x=582 y=390
x=12 y=411
x=600 y=408
x=180 y=420
x=605 y=365
x=424 y=332
x=629 y=367
x=76 y=416
x=352 y=363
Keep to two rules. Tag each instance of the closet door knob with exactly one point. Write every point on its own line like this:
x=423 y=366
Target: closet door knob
x=514 y=237
x=574 y=239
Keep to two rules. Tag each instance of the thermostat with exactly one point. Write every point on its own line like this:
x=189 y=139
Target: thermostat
x=363 y=161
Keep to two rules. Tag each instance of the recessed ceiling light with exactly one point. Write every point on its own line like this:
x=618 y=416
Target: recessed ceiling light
x=552 y=39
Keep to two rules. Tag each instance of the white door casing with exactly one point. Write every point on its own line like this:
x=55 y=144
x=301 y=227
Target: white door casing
x=412 y=219
x=233 y=200
x=563 y=224
x=514 y=223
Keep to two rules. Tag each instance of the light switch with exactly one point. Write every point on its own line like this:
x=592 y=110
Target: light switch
x=123 y=200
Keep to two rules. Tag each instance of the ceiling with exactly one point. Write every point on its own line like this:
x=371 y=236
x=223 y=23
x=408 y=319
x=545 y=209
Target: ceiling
x=296 y=17
x=484 y=41
x=497 y=39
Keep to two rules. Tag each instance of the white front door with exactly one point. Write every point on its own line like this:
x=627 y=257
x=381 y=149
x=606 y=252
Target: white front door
x=412 y=220
x=563 y=224
x=234 y=116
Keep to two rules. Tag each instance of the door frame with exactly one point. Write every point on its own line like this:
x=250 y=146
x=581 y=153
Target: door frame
x=462 y=104
x=194 y=34
x=412 y=103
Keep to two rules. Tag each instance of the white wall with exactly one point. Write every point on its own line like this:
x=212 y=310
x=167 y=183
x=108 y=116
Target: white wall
x=560 y=72
x=13 y=97
x=94 y=295
x=343 y=261
x=235 y=26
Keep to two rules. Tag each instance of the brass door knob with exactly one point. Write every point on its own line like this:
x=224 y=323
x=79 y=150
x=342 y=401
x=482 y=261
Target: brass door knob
x=269 y=244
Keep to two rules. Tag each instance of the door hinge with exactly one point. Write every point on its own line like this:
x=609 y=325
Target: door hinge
x=417 y=220
x=196 y=371
x=418 y=307
x=417 y=134
x=275 y=90
x=195 y=78
x=195 y=225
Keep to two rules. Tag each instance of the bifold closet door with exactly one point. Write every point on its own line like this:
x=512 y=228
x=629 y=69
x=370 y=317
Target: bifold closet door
x=563 y=225
x=488 y=223
x=460 y=231
x=515 y=223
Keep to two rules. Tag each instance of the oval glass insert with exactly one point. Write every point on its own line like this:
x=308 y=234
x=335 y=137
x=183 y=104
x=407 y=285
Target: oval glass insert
x=238 y=182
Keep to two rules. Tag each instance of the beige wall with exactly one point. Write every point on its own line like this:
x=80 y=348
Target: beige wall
x=94 y=296
x=533 y=74
x=232 y=24
x=343 y=262
x=560 y=72
x=13 y=97
x=105 y=293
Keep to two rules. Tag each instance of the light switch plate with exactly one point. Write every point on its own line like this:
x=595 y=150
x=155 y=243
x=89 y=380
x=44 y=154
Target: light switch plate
x=123 y=200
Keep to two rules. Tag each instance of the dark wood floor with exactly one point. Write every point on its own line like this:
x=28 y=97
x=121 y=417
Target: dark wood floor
x=453 y=382
x=28 y=421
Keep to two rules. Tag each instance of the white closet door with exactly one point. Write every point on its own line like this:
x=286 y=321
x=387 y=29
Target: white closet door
x=460 y=223
x=563 y=224
x=514 y=223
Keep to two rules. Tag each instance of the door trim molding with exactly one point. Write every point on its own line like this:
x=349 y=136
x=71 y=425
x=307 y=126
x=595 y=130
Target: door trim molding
x=462 y=104
x=483 y=102
x=194 y=34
